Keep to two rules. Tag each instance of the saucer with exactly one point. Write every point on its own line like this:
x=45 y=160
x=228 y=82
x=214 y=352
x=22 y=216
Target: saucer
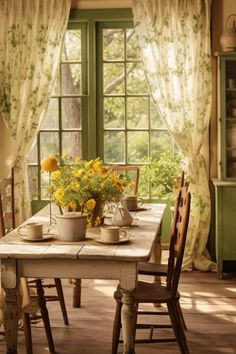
x=121 y=240
x=44 y=238
x=139 y=209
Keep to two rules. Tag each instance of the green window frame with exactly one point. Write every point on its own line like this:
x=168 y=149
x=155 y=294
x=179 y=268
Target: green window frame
x=93 y=129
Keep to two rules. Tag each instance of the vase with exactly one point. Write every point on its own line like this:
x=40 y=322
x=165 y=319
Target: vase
x=71 y=226
x=98 y=213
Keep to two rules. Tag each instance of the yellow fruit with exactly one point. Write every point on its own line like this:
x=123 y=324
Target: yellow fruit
x=49 y=164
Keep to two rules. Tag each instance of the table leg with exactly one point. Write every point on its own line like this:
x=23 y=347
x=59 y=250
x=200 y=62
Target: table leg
x=128 y=320
x=10 y=285
x=76 y=292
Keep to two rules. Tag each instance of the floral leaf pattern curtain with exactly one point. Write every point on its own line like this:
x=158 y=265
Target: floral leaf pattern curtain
x=174 y=40
x=31 y=34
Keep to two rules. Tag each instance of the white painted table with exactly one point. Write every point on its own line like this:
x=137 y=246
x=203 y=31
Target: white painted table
x=85 y=259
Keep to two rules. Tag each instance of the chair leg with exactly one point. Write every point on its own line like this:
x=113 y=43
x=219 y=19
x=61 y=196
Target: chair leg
x=27 y=333
x=44 y=313
x=177 y=328
x=61 y=300
x=116 y=327
x=181 y=316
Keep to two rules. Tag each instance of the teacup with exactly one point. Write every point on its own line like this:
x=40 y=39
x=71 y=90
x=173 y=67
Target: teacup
x=33 y=231
x=132 y=202
x=111 y=234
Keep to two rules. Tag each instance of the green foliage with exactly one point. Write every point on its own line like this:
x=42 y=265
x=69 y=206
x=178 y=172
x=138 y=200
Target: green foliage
x=163 y=175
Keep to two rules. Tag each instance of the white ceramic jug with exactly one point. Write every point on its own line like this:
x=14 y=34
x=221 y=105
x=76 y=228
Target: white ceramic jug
x=122 y=217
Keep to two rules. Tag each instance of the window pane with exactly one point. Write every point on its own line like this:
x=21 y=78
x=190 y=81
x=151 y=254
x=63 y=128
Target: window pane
x=50 y=120
x=114 y=147
x=156 y=121
x=113 y=44
x=132 y=49
x=44 y=184
x=114 y=112
x=71 y=78
x=113 y=78
x=137 y=146
x=136 y=82
x=71 y=112
x=160 y=142
x=49 y=143
x=137 y=111
x=71 y=143
x=72 y=45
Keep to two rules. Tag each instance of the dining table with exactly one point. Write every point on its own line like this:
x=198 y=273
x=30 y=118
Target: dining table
x=85 y=259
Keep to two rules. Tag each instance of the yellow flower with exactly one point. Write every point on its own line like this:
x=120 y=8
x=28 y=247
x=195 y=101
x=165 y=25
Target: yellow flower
x=88 y=164
x=97 y=221
x=75 y=186
x=79 y=172
x=55 y=175
x=97 y=166
x=73 y=205
x=59 y=194
x=85 y=178
x=90 y=204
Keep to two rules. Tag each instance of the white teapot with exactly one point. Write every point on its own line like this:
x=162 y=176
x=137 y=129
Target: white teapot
x=122 y=217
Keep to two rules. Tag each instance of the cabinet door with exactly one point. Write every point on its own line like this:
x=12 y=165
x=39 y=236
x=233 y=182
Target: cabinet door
x=229 y=223
x=228 y=117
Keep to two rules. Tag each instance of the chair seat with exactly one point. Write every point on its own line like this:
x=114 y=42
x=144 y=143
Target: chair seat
x=152 y=269
x=150 y=293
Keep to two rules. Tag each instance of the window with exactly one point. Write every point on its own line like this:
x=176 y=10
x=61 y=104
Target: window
x=100 y=105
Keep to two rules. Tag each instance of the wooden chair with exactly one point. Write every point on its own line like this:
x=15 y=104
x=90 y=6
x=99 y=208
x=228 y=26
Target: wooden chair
x=160 y=270
x=7 y=222
x=162 y=293
x=129 y=171
x=29 y=309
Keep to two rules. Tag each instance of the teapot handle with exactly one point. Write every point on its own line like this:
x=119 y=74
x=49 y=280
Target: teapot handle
x=226 y=22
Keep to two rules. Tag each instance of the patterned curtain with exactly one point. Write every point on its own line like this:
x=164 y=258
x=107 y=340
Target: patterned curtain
x=31 y=34
x=174 y=40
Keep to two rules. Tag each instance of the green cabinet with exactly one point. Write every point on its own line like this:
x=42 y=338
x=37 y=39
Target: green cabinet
x=225 y=185
x=225 y=208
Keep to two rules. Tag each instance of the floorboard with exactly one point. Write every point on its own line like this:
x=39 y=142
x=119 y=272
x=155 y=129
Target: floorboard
x=208 y=303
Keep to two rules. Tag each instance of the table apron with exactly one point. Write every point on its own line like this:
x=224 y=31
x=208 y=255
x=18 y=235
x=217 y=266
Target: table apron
x=124 y=271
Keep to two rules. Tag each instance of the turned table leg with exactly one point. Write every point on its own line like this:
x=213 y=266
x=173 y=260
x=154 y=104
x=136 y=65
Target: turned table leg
x=128 y=320
x=76 y=292
x=10 y=285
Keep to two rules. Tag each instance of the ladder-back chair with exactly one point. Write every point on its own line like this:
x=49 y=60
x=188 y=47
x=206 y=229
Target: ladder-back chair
x=158 y=270
x=7 y=223
x=162 y=293
x=130 y=171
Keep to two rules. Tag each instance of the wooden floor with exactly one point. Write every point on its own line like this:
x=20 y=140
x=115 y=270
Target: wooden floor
x=209 y=307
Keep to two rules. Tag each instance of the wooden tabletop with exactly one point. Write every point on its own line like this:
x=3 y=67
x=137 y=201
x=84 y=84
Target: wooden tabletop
x=142 y=234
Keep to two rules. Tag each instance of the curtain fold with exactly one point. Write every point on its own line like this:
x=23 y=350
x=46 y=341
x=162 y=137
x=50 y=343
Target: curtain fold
x=31 y=34
x=174 y=40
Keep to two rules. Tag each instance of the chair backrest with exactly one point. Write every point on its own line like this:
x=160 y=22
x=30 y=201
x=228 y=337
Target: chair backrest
x=7 y=207
x=130 y=171
x=178 y=236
